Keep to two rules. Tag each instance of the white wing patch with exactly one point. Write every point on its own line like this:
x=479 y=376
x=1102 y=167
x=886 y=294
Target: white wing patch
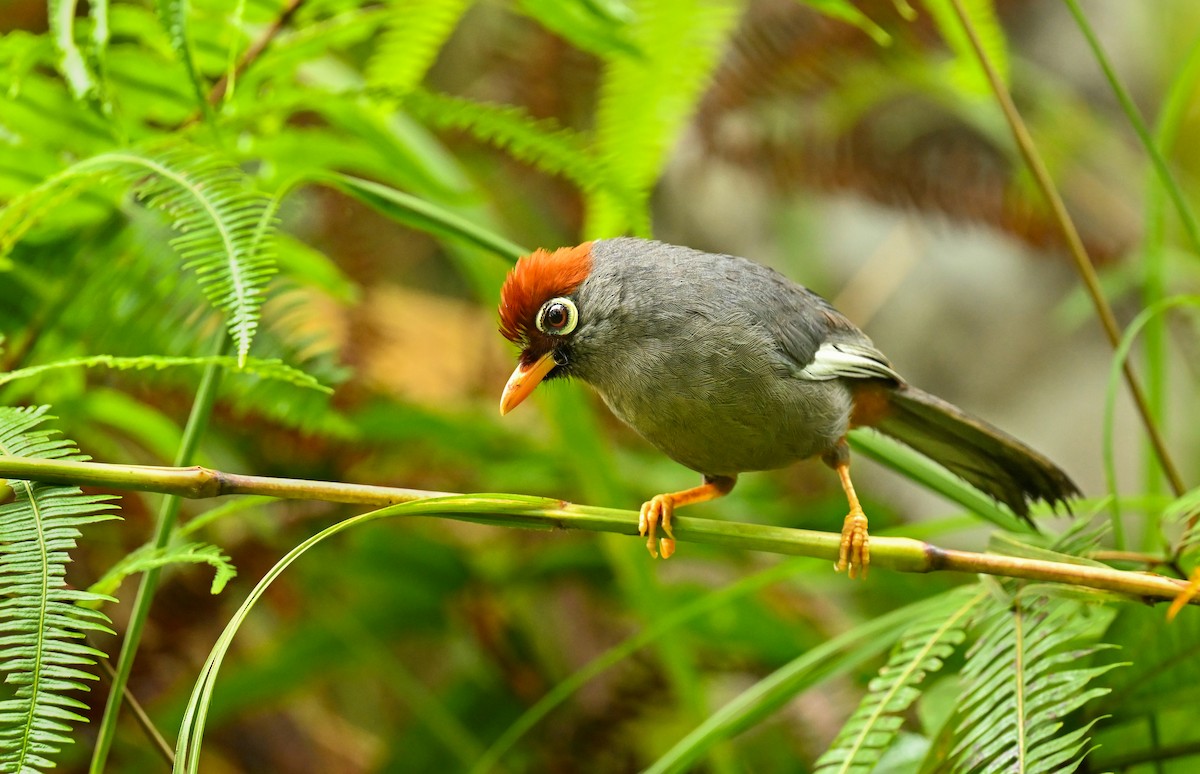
x=847 y=361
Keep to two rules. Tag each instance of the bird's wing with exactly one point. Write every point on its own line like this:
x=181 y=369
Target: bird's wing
x=848 y=360
x=823 y=343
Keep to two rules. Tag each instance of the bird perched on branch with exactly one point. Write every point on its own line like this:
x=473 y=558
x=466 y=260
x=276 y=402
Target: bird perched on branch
x=727 y=366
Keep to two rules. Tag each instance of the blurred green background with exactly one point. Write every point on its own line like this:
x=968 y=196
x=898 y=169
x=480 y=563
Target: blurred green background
x=854 y=146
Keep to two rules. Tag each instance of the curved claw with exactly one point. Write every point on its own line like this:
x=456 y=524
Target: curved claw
x=657 y=510
x=854 y=553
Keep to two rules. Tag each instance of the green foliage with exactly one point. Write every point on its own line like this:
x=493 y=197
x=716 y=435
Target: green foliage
x=1021 y=678
x=600 y=26
x=265 y=369
x=543 y=144
x=148 y=557
x=71 y=59
x=921 y=651
x=415 y=32
x=43 y=621
x=836 y=656
x=645 y=100
x=224 y=234
x=848 y=12
x=355 y=129
x=173 y=14
x=963 y=71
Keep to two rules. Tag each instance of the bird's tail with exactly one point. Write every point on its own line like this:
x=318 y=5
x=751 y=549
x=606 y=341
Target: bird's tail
x=986 y=457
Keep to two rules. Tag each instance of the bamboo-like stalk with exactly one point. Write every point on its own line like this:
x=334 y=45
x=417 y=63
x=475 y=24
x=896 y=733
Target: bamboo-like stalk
x=507 y=510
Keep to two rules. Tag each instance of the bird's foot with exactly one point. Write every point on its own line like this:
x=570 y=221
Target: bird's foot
x=854 y=554
x=657 y=510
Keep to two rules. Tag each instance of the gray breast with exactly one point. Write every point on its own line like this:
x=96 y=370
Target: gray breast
x=688 y=357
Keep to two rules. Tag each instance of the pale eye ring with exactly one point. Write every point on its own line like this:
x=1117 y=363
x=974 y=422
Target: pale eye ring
x=557 y=317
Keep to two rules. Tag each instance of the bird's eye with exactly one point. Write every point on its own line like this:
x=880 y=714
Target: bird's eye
x=557 y=317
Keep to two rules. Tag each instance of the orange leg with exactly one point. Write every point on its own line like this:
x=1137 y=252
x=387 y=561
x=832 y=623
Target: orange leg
x=854 y=554
x=660 y=508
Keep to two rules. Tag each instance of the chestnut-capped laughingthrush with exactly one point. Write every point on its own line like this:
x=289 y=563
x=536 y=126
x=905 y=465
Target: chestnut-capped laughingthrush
x=727 y=366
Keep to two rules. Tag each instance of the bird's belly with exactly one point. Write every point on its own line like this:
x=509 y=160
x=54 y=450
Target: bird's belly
x=743 y=427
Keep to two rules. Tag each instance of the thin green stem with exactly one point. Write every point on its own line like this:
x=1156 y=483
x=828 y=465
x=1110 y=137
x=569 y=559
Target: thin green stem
x=1154 y=258
x=1154 y=281
x=1153 y=149
x=1121 y=358
x=1083 y=264
x=167 y=516
x=143 y=718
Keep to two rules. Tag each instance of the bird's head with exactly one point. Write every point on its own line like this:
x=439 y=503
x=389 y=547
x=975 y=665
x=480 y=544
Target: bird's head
x=538 y=312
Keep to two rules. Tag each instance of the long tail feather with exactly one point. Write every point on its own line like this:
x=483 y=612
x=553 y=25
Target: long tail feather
x=983 y=455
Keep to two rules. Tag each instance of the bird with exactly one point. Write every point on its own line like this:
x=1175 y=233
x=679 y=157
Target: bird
x=727 y=366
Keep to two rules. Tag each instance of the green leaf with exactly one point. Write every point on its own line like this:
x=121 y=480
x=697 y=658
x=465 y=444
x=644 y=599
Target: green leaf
x=846 y=11
x=423 y=215
x=1027 y=671
x=265 y=369
x=42 y=619
x=599 y=26
x=647 y=100
x=218 y=217
x=964 y=72
x=834 y=656
x=71 y=62
x=147 y=558
x=1187 y=506
x=416 y=30
x=922 y=650
x=1165 y=672
x=543 y=144
x=173 y=15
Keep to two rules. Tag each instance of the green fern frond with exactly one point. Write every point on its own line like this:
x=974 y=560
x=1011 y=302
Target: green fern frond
x=1021 y=679
x=147 y=558
x=846 y=11
x=173 y=15
x=71 y=61
x=543 y=144
x=964 y=71
x=215 y=213
x=599 y=27
x=42 y=621
x=416 y=30
x=265 y=369
x=921 y=650
x=1185 y=509
x=646 y=100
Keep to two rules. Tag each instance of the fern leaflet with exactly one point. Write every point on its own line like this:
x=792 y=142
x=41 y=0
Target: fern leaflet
x=148 y=557
x=415 y=33
x=964 y=71
x=265 y=369
x=646 y=100
x=42 y=621
x=71 y=61
x=541 y=143
x=1022 y=677
x=920 y=651
x=217 y=216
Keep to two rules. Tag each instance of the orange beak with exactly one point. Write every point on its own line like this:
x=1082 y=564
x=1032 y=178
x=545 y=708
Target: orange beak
x=524 y=380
